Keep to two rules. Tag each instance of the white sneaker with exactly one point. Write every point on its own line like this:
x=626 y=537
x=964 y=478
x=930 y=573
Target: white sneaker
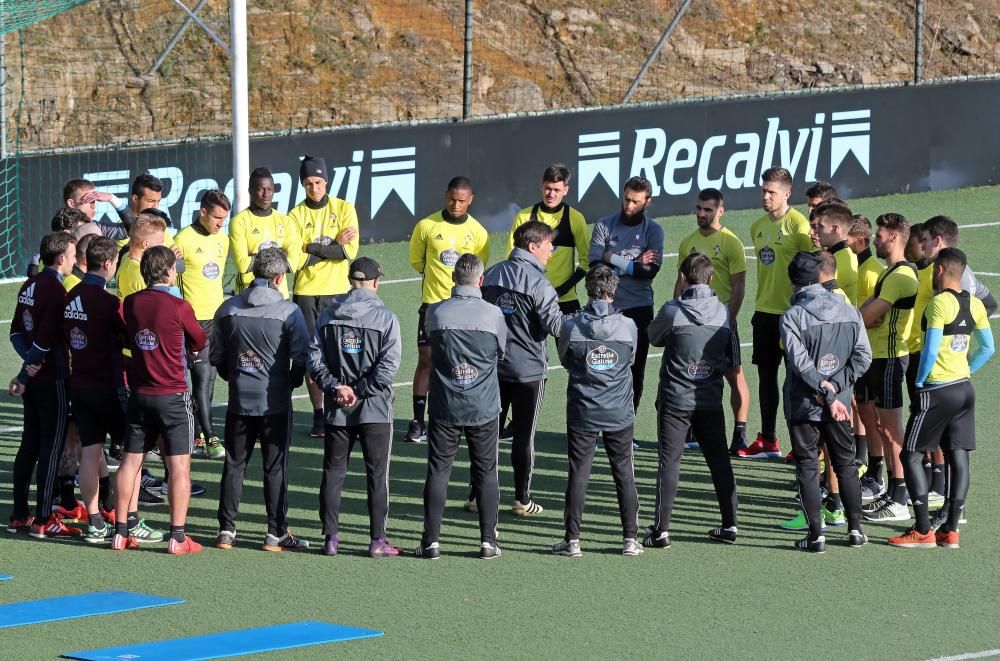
x=631 y=548
x=570 y=549
x=891 y=511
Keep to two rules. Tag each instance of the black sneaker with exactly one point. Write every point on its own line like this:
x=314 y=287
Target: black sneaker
x=416 y=432
x=659 y=539
x=149 y=498
x=856 y=539
x=150 y=481
x=430 y=552
x=817 y=545
x=488 y=551
x=507 y=433
x=724 y=535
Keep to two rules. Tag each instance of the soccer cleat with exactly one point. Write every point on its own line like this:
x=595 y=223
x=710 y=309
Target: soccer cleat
x=54 y=527
x=144 y=534
x=871 y=489
x=430 y=551
x=287 y=542
x=120 y=543
x=526 y=509
x=150 y=481
x=416 y=432
x=331 y=545
x=489 y=551
x=196 y=489
x=912 y=539
x=78 y=514
x=568 y=548
x=507 y=433
x=148 y=498
x=876 y=505
x=108 y=516
x=939 y=517
x=183 y=548
x=659 y=539
x=891 y=511
x=935 y=499
x=724 y=535
x=817 y=545
x=856 y=539
x=471 y=506
x=98 y=535
x=15 y=526
x=113 y=462
x=225 y=540
x=834 y=518
x=214 y=448
x=947 y=540
x=199 y=447
x=798 y=522
x=379 y=548
x=631 y=548
x=761 y=449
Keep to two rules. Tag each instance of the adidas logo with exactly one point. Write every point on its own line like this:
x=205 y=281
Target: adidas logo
x=439 y=238
x=960 y=325
x=255 y=231
x=199 y=251
x=75 y=310
x=27 y=297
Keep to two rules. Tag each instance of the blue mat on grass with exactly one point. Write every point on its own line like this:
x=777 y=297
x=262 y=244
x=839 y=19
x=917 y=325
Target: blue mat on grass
x=5 y=577
x=230 y=643
x=78 y=605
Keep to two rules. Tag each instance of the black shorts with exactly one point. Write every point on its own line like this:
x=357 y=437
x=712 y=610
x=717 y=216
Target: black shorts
x=202 y=356
x=882 y=384
x=152 y=416
x=311 y=306
x=569 y=307
x=911 y=379
x=945 y=417
x=422 y=339
x=766 y=339
x=100 y=412
x=734 y=338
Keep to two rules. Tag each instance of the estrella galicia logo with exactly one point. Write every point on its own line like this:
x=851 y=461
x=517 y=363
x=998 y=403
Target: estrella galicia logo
x=463 y=374
x=449 y=258
x=350 y=342
x=766 y=255
x=959 y=343
x=27 y=321
x=77 y=338
x=147 y=340
x=700 y=370
x=506 y=303
x=602 y=358
x=828 y=364
x=249 y=362
x=210 y=270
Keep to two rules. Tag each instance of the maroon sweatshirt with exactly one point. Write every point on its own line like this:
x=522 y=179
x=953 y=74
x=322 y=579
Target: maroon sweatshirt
x=161 y=329
x=36 y=329
x=94 y=331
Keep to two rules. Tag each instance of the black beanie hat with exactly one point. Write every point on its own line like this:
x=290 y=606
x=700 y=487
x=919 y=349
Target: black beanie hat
x=313 y=166
x=804 y=269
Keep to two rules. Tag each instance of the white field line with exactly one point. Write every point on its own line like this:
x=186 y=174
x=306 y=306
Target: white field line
x=968 y=655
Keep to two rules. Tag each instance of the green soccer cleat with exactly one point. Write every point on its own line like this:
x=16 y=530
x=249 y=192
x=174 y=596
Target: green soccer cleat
x=834 y=518
x=144 y=534
x=798 y=522
x=214 y=448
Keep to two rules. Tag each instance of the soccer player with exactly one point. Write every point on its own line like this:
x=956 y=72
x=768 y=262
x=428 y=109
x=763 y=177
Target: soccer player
x=729 y=265
x=887 y=316
x=530 y=307
x=36 y=334
x=161 y=329
x=435 y=246
x=147 y=231
x=597 y=347
x=328 y=229
x=945 y=414
x=354 y=355
x=632 y=242
x=819 y=192
x=206 y=248
x=777 y=236
x=261 y=226
x=693 y=330
x=94 y=331
x=827 y=350
x=82 y=195
x=468 y=336
x=830 y=225
x=260 y=347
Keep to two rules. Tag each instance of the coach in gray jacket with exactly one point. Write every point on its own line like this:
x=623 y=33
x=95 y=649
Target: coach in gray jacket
x=259 y=346
x=354 y=355
x=468 y=337
x=693 y=330
x=597 y=347
x=530 y=306
x=827 y=350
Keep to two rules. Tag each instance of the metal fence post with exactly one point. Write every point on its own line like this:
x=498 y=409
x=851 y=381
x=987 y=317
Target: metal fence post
x=467 y=64
x=918 y=43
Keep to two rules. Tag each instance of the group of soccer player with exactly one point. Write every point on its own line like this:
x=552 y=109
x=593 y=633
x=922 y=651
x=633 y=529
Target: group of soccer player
x=139 y=368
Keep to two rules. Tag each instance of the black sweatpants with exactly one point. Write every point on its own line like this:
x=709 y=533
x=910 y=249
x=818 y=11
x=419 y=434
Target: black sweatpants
x=709 y=428
x=45 y=407
x=376 y=448
x=525 y=401
x=618 y=445
x=839 y=441
x=203 y=384
x=243 y=432
x=642 y=318
x=442 y=446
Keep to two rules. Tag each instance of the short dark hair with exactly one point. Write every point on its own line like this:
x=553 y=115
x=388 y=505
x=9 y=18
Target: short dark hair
x=639 y=185
x=155 y=264
x=861 y=227
x=944 y=227
x=601 y=282
x=916 y=229
x=144 y=182
x=821 y=189
x=260 y=173
x=66 y=219
x=73 y=185
x=827 y=263
x=460 y=183
x=53 y=245
x=468 y=269
x=100 y=249
x=895 y=222
x=835 y=212
x=953 y=260
x=269 y=263
x=710 y=194
x=557 y=172
x=533 y=231
x=776 y=176
x=215 y=198
x=81 y=247
x=697 y=269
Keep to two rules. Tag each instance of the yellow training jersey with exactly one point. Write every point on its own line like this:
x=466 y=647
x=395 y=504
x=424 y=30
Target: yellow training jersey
x=129 y=278
x=957 y=314
x=726 y=252
x=252 y=230
x=869 y=269
x=435 y=246
x=71 y=280
x=925 y=292
x=569 y=246
x=775 y=243
x=897 y=286
x=204 y=264
x=322 y=223
x=847 y=271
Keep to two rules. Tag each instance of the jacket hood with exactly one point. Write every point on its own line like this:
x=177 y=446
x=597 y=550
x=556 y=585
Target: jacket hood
x=700 y=304
x=522 y=255
x=260 y=293
x=354 y=304
x=594 y=318
x=818 y=302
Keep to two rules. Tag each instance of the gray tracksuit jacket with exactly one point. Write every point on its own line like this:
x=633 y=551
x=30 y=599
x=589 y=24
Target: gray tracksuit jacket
x=693 y=330
x=260 y=346
x=597 y=348
x=356 y=343
x=468 y=337
x=825 y=340
x=530 y=307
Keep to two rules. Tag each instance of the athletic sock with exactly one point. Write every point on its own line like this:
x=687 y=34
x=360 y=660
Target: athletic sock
x=921 y=514
x=133 y=519
x=97 y=521
x=103 y=493
x=928 y=470
x=740 y=431
x=177 y=534
x=861 y=448
x=317 y=416
x=419 y=407
x=875 y=468
x=937 y=478
x=67 y=493
x=121 y=528
x=897 y=490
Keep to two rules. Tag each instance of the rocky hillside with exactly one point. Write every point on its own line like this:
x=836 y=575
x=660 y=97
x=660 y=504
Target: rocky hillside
x=314 y=64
